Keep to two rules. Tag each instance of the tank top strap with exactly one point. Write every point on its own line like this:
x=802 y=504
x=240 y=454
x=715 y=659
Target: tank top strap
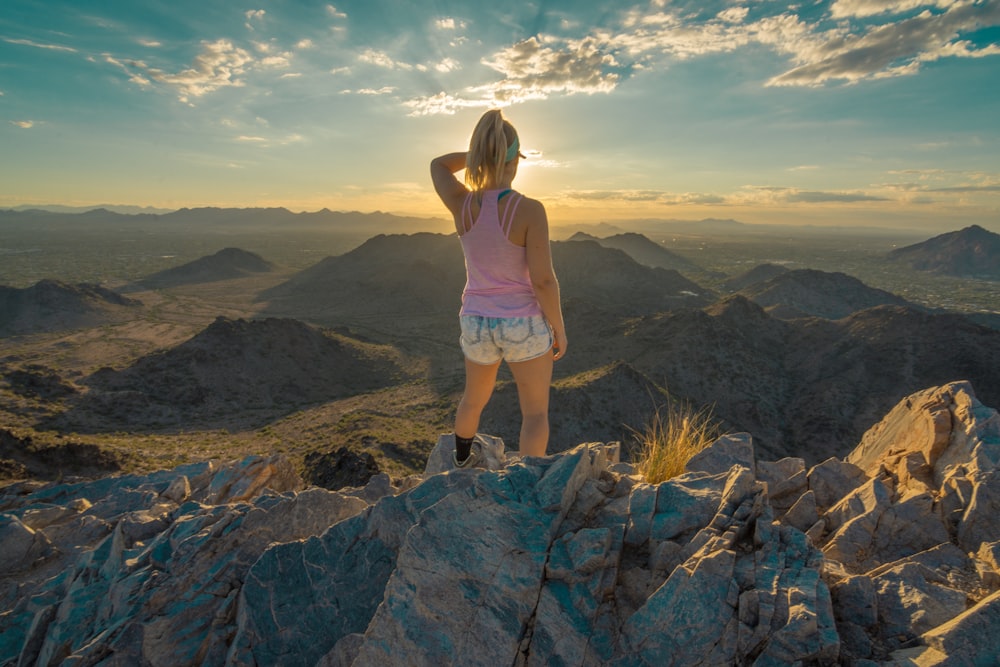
x=508 y=213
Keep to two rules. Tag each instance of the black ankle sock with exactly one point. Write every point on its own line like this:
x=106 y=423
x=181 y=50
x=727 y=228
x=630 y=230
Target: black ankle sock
x=463 y=447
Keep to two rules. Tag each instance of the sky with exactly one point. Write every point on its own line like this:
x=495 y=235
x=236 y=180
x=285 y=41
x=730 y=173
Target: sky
x=837 y=112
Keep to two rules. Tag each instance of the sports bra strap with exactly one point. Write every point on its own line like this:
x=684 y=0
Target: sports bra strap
x=467 y=220
x=508 y=214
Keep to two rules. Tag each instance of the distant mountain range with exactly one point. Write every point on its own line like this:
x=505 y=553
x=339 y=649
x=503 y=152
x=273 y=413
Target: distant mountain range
x=114 y=208
x=972 y=252
x=245 y=218
x=52 y=305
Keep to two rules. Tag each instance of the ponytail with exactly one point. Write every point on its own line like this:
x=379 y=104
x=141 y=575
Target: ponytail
x=488 y=150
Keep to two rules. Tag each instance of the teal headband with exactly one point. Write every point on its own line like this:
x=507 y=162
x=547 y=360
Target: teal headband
x=512 y=150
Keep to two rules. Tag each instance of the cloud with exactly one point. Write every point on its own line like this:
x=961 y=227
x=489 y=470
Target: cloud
x=532 y=69
x=253 y=15
x=864 y=8
x=384 y=90
x=448 y=65
x=304 y=44
x=265 y=142
x=219 y=65
x=449 y=23
x=23 y=124
x=647 y=196
x=335 y=13
x=733 y=14
x=382 y=59
x=891 y=49
x=811 y=197
x=39 y=45
x=151 y=43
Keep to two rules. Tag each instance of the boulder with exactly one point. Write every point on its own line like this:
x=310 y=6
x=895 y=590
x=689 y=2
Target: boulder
x=726 y=452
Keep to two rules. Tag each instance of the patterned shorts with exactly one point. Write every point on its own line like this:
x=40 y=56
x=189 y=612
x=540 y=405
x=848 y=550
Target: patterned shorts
x=487 y=340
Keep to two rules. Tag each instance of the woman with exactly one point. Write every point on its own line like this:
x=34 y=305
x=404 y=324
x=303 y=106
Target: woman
x=510 y=306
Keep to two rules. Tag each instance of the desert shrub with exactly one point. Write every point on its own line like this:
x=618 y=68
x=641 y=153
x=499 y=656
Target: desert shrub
x=676 y=432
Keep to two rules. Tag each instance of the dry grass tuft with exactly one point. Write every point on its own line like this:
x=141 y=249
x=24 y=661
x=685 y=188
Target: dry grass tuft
x=674 y=434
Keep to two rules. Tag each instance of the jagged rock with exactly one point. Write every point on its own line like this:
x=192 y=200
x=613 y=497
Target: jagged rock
x=804 y=513
x=158 y=589
x=378 y=487
x=833 y=479
x=915 y=595
x=970 y=639
x=988 y=564
x=723 y=454
x=786 y=481
x=22 y=546
x=530 y=561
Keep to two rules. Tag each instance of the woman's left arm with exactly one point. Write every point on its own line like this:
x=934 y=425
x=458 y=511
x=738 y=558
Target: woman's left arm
x=449 y=189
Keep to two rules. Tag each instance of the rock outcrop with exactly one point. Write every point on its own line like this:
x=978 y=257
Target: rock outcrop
x=888 y=557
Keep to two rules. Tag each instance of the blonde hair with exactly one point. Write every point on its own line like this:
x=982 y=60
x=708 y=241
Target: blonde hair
x=486 y=160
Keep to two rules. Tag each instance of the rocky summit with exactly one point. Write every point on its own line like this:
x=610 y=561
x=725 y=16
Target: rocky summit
x=888 y=557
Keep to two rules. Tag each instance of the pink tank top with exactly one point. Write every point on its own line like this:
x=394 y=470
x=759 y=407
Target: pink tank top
x=498 y=283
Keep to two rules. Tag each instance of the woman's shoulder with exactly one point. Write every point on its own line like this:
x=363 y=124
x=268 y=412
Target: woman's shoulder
x=530 y=207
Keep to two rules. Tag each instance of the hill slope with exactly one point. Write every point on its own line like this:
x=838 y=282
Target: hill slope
x=806 y=387
x=51 y=305
x=970 y=252
x=641 y=249
x=234 y=367
x=226 y=264
x=819 y=293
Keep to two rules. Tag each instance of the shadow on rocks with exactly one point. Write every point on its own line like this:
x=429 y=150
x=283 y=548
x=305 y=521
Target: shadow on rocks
x=339 y=469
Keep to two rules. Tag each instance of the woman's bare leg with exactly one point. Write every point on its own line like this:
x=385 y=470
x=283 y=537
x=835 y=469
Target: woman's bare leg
x=533 y=379
x=479 y=382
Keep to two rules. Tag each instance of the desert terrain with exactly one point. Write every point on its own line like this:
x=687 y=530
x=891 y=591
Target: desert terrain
x=140 y=342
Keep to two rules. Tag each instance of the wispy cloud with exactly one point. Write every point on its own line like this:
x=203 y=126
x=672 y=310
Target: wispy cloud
x=382 y=59
x=864 y=8
x=532 y=69
x=814 y=197
x=23 y=124
x=384 y=90
x=268 y=142
x=253 y=15
x=219 y=65
x=335 y=13
x=891 y=49
x=39 y=45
